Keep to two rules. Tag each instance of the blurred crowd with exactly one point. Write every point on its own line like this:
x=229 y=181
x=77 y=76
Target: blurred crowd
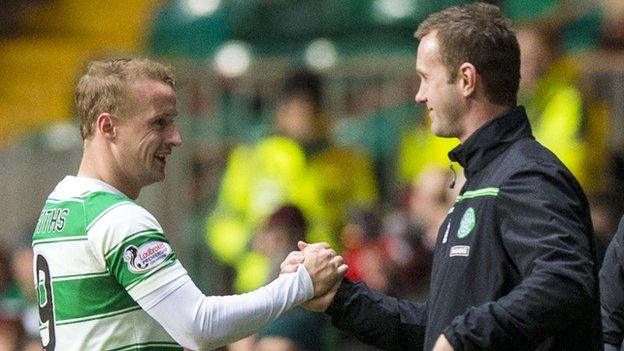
x=375 y=184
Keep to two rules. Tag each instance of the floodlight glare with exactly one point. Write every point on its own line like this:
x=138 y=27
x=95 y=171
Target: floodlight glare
x=394 y=9
x=200 y=8
x=321 y=54
x=233 y=59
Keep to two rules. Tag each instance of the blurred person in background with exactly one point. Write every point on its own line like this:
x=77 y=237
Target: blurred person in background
x=564 y=118
x=613 y=26
x=298 y=329
x=514 y=264
x=364 y=250
x=298 y=165
x=409 y=232
x=433 y=194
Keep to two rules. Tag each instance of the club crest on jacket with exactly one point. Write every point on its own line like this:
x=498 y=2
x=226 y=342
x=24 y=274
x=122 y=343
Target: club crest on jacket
x=467 y=223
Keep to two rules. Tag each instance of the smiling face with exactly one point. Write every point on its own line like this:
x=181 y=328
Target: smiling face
x=444 y=99
x=146 y=136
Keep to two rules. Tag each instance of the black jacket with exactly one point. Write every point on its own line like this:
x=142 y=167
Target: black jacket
x=612 y=290
x=514 y=265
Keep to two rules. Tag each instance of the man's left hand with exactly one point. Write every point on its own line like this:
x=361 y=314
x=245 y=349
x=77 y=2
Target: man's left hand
x=442 y=344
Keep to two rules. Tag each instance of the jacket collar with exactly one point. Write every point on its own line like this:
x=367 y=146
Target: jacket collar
x=491 y=139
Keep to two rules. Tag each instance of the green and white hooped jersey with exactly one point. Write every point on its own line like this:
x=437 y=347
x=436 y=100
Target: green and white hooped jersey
x=95 y=253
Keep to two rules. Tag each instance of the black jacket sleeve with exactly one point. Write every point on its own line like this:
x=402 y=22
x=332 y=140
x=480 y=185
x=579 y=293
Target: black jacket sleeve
x=612 y=290
x=545 y=230
x=377 y=319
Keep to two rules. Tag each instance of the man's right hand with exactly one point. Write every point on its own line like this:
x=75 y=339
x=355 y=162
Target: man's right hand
x=325 y=268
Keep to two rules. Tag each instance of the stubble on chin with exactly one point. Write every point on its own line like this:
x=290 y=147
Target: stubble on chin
x=440 y=131
x=451 y=126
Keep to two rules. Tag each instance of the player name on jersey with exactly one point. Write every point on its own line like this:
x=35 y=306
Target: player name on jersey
x=52 y=220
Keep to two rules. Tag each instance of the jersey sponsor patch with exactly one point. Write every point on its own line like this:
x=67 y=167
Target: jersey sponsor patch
x=460 y=250
x=146 y=256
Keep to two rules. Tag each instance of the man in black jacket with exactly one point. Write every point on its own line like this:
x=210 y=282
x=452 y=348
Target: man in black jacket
x=514 y=265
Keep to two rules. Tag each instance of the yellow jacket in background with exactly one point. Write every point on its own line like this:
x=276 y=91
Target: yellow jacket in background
x=573 y=129
x=260 y=178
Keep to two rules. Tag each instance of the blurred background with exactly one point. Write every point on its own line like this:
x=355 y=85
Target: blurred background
x=298 y=122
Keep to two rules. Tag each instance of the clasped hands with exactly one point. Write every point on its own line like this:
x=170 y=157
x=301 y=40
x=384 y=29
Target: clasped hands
x=326 y=270
x=325 y=267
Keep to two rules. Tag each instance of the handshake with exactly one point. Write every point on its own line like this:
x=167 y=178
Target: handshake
x=325 y=268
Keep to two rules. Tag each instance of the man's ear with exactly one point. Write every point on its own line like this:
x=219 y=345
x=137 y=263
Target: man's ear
x=468 y=78
x=106 y=125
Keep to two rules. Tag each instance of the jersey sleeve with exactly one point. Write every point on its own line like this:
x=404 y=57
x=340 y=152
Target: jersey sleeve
x=130 y=243
x=200 y=322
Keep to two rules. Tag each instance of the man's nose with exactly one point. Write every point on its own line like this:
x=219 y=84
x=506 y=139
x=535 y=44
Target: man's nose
x=175 y=138
x=420 y=96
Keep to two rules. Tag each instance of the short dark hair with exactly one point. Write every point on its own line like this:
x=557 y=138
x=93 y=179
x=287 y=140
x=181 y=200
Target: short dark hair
x=291 y=220
x=304 y=84
x=480 y=34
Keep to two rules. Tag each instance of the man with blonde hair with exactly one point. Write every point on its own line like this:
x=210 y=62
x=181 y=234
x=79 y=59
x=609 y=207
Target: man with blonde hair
x=106 y=275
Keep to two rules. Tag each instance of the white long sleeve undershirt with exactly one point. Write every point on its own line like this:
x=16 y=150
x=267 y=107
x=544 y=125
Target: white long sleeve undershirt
x=200 y=322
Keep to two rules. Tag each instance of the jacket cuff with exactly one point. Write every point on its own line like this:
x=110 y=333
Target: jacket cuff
x=453 y=338
x=340 y=299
